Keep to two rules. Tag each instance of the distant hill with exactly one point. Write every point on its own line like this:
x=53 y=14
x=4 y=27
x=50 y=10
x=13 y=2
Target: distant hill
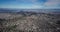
x=30 y=10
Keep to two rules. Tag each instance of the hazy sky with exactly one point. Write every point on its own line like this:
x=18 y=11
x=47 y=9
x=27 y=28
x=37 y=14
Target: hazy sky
x=30 y=4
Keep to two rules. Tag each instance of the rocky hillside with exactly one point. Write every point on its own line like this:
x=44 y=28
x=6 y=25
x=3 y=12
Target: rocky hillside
x=29 y=23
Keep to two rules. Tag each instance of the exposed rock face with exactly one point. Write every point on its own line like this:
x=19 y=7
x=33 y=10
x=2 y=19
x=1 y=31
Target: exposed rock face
x=32 y=23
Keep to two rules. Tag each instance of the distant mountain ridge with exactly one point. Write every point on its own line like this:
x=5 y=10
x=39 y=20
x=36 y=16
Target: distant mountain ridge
x=30 y=10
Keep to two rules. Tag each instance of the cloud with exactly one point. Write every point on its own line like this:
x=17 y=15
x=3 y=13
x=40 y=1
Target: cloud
x=34 y=3
x=43 y=3
x=52 y=3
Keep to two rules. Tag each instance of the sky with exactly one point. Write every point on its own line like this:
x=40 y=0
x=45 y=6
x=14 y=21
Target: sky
x=30 y=4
